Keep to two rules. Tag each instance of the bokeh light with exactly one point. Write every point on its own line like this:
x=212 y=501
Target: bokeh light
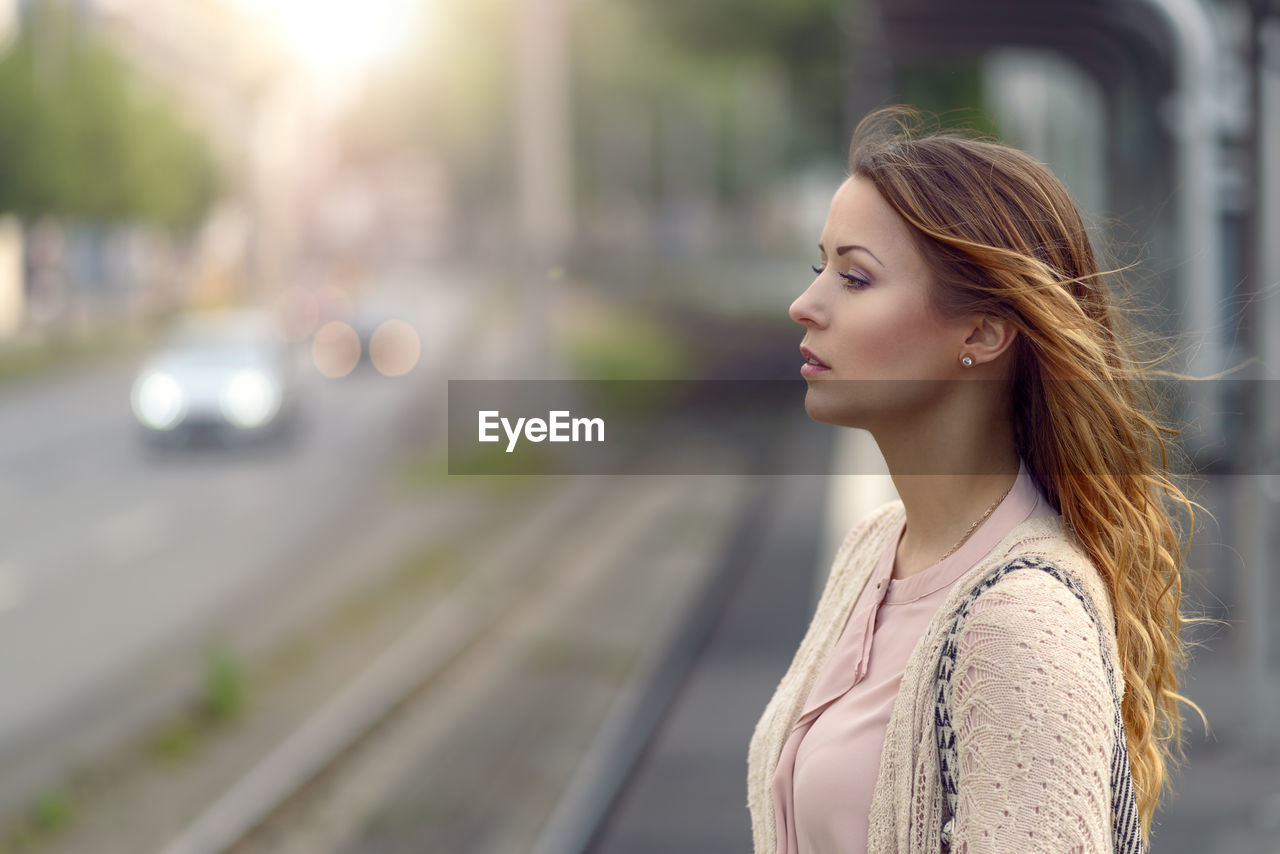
x=335 y=349
x=394 y=348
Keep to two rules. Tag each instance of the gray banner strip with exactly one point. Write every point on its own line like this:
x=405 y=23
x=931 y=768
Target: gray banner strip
x=733 y=427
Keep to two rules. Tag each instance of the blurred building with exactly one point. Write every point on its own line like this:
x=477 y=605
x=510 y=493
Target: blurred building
x=251 y=102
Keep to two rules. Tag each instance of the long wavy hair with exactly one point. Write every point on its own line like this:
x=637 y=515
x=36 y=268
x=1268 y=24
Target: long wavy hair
x=1002 y=236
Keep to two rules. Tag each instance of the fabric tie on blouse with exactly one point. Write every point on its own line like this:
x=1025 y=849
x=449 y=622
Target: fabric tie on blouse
x=834 y=771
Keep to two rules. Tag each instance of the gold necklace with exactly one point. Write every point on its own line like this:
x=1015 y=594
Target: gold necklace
x=974 y=526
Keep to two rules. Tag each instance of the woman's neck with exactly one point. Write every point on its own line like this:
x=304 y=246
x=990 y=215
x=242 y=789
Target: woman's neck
x=947 y=485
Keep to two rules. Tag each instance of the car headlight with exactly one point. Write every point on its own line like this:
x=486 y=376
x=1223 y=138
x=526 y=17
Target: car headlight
x=158 y=401
x=250 y=399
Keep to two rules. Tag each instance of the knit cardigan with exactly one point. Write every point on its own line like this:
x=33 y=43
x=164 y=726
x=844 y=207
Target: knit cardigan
x=1032 y=708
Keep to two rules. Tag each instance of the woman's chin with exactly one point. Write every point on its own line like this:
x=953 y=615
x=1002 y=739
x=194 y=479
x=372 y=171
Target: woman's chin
x=822 y=406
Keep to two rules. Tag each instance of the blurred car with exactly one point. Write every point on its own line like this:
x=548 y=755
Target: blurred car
x=226 y=378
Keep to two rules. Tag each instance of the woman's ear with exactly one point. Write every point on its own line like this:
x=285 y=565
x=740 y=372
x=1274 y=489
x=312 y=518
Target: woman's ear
x=990 y=337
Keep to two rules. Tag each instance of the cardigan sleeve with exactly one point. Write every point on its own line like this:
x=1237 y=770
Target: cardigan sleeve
x=1033 y=718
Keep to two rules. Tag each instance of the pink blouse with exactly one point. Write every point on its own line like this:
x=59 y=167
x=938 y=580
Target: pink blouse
x=825 y=777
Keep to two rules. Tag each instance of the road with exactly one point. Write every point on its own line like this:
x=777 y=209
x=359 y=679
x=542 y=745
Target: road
x=112 y=555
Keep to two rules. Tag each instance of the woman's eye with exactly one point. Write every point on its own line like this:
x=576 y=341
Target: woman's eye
x=818 y=270
x=856 y=283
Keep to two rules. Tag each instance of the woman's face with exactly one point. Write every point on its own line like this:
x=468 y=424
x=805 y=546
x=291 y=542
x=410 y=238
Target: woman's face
x=868 y=319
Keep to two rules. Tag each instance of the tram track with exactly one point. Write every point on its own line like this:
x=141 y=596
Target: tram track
x=453 y=665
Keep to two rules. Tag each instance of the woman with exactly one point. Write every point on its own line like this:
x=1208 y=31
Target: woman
x=993 y=663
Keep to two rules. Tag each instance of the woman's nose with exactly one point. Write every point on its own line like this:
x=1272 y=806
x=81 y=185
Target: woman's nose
x=805 y=310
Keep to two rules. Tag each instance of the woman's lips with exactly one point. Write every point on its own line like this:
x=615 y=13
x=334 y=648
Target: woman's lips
x=812 y=364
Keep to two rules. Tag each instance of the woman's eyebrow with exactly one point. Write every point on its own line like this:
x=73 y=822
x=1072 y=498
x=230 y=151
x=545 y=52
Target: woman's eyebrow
x=840 y=250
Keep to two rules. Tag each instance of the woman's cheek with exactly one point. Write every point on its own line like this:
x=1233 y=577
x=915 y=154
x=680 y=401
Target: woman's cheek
x=889 y=347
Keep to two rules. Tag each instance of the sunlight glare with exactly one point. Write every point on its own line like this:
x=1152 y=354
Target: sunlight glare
x=344 y=37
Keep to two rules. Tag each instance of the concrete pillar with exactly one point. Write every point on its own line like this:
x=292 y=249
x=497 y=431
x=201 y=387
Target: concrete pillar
x=13 y=297
x=543 y=177
x=1261 y=601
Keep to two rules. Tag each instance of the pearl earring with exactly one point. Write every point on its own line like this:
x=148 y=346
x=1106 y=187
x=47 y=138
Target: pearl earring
x=966 y=360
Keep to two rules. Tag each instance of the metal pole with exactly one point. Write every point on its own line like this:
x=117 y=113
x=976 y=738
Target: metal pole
x=9 y=24
x=1196 y=126
x=1263 y=639
x=542 y=164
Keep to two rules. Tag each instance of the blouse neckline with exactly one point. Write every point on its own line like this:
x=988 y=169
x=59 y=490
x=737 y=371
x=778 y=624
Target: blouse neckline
x=1023 y=501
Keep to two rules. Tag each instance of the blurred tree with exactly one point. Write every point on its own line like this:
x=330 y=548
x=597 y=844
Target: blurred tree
x=952 y=89
x=807 y=39
x=452 y=97
x=812 y=41
x=656 y=56
x=82 y=135
x=671 y=100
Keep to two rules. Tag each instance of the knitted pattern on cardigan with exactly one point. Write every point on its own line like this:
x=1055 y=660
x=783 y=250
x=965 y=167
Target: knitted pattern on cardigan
x=1033 y=708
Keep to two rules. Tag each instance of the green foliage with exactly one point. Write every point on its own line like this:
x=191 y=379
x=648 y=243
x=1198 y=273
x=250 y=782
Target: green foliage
x=82 y=136
x=490 y=465
x=48 y=815
x=225 y=688
x=812 y=41
x=952 y=90
x=804 y=38
x=176 y=740
x=20 y=361
x=650 y=60
x=768 y=81
x=610 y=347
x=52 y=811
x=223 y=701
x=791 y=28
